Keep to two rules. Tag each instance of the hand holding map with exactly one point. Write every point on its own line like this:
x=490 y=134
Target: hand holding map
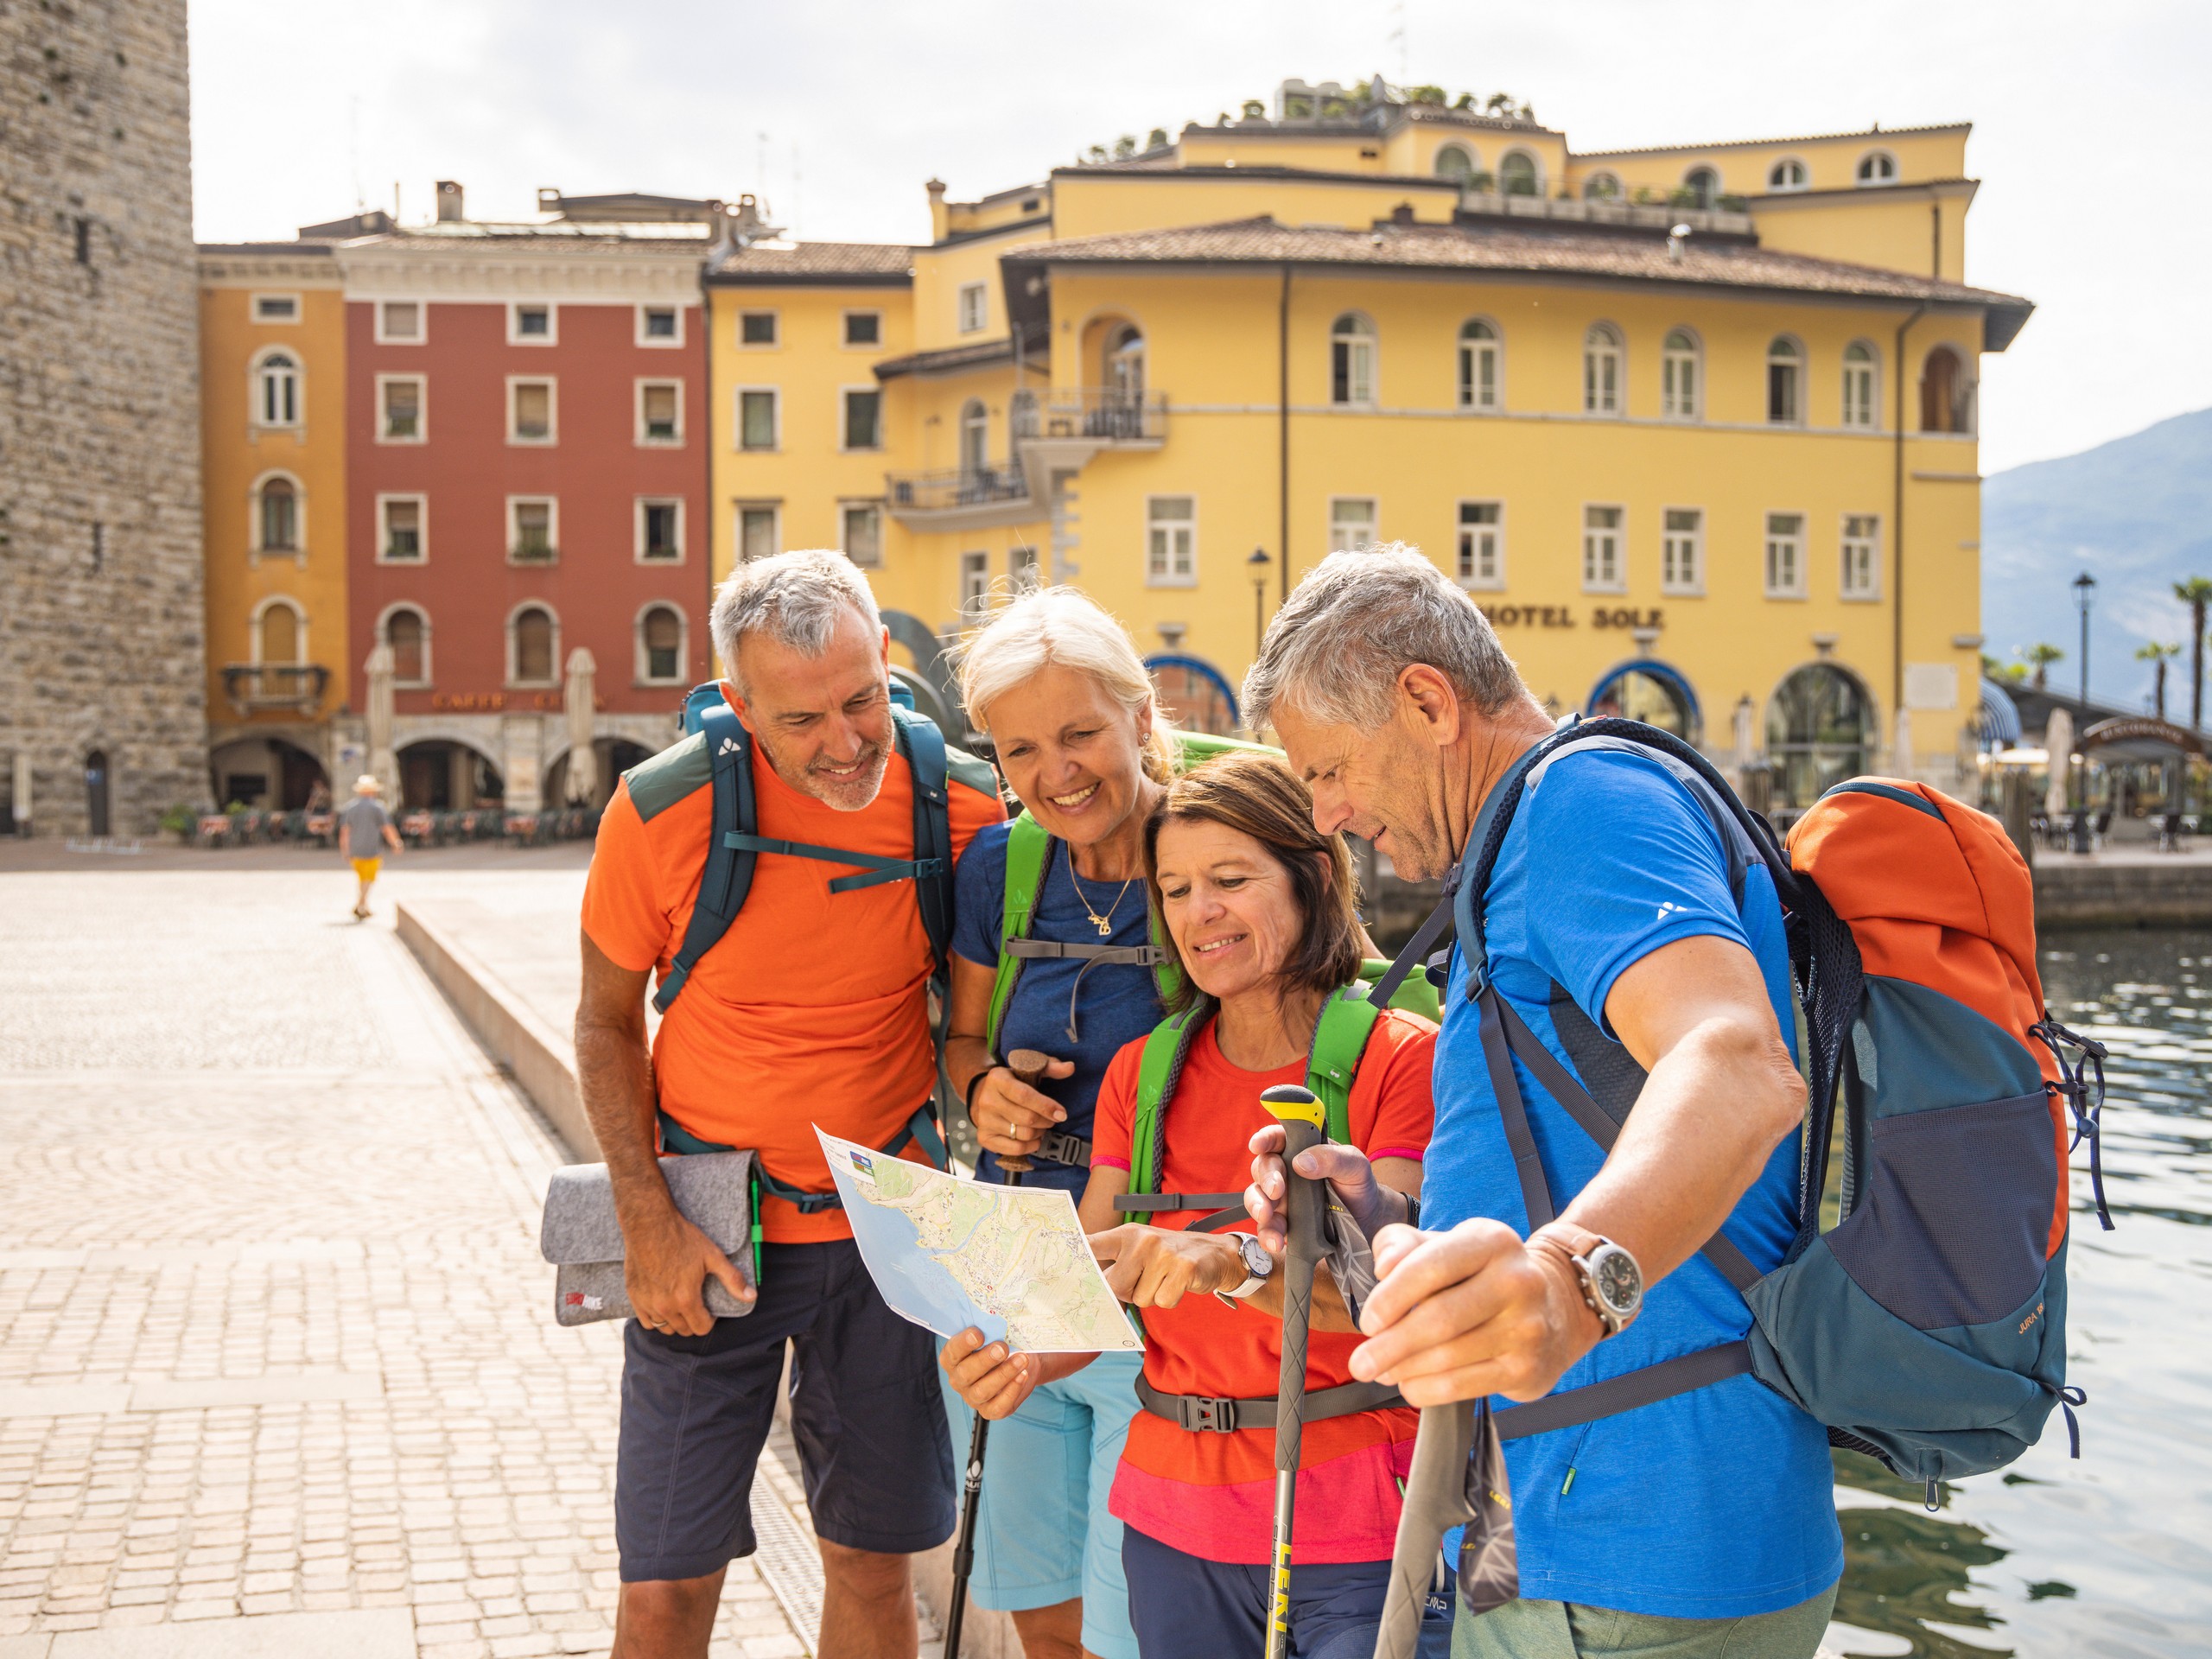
x=948 y=1253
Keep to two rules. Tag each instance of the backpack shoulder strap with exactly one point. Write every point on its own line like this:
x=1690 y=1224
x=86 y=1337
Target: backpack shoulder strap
x=1340 y=1035
x=925 y=754
x=1158 y=1072
x=728 y=873
x=1028 y=848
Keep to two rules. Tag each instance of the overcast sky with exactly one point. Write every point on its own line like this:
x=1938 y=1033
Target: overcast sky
x=2090 y=122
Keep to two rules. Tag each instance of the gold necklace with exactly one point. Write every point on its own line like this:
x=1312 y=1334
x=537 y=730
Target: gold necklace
x=1104 y=924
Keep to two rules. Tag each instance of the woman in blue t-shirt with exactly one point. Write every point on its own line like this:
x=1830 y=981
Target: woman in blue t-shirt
x=1070 y=711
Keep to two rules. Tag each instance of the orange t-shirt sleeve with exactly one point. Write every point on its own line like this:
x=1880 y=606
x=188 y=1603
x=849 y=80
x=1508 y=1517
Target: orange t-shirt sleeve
x=624 y=914
x=1405 y=1102
x=970 y=810
x=1116 y=1107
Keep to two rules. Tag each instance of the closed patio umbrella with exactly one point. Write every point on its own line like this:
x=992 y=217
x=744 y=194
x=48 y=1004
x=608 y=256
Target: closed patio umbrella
x=2058 y=739
x=583 y=760
x=382 y=761
x=1745 y=750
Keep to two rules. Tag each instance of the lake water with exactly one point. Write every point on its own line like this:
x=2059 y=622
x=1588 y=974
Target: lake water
x=2111 y=1556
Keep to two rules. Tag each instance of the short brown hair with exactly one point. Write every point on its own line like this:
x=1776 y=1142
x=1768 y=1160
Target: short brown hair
x=1261 y=795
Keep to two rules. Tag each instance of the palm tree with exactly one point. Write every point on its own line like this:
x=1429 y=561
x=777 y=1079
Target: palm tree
x=2040 y=656
x=2195 y=592
x=2159 y=656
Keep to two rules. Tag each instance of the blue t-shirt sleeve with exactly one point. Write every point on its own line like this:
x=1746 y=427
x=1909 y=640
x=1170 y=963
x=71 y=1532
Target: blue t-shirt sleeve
x=1642 y=861
x=979 y=897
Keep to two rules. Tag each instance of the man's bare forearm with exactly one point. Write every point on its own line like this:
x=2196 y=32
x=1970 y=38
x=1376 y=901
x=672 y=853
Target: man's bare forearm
x=614 y=1077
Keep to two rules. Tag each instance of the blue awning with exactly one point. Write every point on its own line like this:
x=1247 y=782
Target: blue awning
x=1997 y=721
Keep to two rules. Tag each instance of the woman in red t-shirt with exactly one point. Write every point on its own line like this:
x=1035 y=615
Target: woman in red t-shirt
x=1260 y=915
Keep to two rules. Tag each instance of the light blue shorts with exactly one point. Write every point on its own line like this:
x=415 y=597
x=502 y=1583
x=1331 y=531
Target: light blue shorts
x=1042 y=1533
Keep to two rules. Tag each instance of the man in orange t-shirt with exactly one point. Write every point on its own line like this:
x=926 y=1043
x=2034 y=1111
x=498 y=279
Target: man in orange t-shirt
x=810 y=1009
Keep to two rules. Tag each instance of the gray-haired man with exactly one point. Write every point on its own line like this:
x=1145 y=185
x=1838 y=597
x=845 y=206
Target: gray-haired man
x=1611 y=930
x=810 y=1009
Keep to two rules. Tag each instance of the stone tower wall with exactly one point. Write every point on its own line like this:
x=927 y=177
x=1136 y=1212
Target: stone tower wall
x=101 y=609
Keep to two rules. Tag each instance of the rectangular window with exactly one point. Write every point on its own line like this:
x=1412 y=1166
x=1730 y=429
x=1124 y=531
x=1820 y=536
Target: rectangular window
x=1352 y=371
x=756 y=328
x=975 y=308
x=661 y=636
x=1482 y=545
x=534 y=522
x=1862 y=555
x=1785 y=555
x=862 y=523
x=1681 y=551
x=1859 y=391
x=660 y=530
x=1171 y=541
x=276 y=307
x=660 y=325
x=974 y=582
x=402 y=414
x=399 y=322
x=400 y=540
x=1603 y=570
x=864 y=327
x=864 y=419
x=1782 y=392
x=530 y=403
x=529 y=325
x=660 y=411
x=756 y=417
x=758 y=531
x=1021 y=568
x=1351 y=522
x=1477 y=366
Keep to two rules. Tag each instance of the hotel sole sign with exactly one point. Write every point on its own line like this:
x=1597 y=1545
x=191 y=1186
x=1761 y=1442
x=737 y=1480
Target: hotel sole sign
x=1563 y=616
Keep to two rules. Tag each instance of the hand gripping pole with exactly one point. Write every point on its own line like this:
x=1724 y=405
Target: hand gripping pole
x=1301 y=1117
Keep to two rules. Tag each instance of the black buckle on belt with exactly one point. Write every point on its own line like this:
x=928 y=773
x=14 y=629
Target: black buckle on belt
x=1201 y=1414
x=1063 y=1148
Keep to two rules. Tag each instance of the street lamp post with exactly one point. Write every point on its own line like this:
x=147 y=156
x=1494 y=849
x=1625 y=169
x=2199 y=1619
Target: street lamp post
x=2085 y=596
x=1257 y=564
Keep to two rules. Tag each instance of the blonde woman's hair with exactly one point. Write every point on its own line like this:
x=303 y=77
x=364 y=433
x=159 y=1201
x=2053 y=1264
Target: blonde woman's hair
x=1046 y=627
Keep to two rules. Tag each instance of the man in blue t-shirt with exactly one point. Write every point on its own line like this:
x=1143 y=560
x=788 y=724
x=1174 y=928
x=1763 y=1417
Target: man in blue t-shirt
x=1703 y=1520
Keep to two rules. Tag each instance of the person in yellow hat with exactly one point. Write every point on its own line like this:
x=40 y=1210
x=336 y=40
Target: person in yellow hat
x=364 y=831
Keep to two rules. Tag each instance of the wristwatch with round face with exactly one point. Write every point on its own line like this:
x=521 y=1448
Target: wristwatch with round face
x=1612 y=1283
x=1258 y=1266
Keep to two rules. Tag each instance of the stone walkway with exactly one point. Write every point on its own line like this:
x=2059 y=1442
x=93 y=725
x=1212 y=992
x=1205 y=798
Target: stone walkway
x=278 y=1369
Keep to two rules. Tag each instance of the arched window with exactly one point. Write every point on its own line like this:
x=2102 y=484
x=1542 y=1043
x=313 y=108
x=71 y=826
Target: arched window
x=1945 y=395
x=1601 y=186
x=533 y=646
x=1351 y=361
x=280 y=634
x=1681 y=385
x=1785 y=378
x=1517 y=175
x=1878 y=167
x=1787 y=174
x=407 y=630
x=1704 y=185
x=975 y=437
x=1456 y=163
x=1861 y=394
x=660 y=644
x=1601 y=369
x=277 y=516
x=1819 y=729
x=276 y=390
x=1481 y=383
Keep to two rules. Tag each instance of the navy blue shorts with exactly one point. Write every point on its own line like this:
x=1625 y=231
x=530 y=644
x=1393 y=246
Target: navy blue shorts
x=1184 y=1607
x=866 y=1411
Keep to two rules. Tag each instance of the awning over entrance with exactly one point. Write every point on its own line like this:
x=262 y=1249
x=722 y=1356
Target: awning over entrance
x=1645 y=688
x=2138 y=738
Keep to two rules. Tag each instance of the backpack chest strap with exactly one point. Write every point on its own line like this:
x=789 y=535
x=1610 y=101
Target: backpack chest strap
x=1134 y=956
x=875 y=869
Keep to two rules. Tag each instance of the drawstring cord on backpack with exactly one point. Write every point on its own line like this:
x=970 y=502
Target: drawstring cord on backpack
x=2083 y=1097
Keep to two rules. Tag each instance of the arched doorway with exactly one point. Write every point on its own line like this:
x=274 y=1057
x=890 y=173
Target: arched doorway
x=269 y=772
x=1820 y=728
x=616 y=756
x=1657 y=693
x=96 y=791
x=436 y=775
x=1194 y=694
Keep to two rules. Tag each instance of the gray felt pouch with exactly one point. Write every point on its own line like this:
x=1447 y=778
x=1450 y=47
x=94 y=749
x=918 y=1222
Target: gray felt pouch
x=579 y=1236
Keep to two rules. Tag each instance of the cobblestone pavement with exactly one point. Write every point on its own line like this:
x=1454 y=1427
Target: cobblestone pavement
x=275 y=1348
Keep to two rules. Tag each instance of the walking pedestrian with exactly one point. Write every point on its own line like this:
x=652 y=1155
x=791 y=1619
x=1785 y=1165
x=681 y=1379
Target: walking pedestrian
x=1694 y=1522
x=812 y=1008
x=364 y=831
x=1264 y=937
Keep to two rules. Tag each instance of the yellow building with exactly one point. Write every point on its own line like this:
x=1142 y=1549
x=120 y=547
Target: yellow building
x=272 y=387
x=1695 y=425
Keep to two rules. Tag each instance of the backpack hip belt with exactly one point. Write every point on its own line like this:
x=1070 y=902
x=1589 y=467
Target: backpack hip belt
x=1206 y=1413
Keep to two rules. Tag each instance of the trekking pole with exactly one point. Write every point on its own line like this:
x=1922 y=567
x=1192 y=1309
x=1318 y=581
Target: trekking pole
x=1302 y=1118
x=1435 y=1502
x=1027 y=1065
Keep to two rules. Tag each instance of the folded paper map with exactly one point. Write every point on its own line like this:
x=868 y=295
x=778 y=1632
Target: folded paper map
x=950 y=1253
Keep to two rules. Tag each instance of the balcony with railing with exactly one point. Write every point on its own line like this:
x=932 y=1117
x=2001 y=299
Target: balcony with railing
x=265 y=688
x=1099 y=414
x=961 y=493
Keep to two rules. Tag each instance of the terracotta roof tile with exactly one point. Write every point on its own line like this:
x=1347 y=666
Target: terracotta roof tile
x=876 y=263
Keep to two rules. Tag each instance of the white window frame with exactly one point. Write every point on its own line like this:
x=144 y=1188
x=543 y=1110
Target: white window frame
x=775 y=420
x=514 y=681
x=972 y=312
x=552 y=529
x=552 y=412
x=1804 y=180
x=641 y=664
x=1873 y=370
x=515 y=335
x=1869 y=591
x=1801 y=364
x=1604 y=341
x=1358 y=343
x=421 y=408
x=844 y=425
x=255 y=370
x=638 y=528
x=422 y=324
x=1374 y=520
x=383 y=635
x=775 y=512
x=1468 y=575
x=1617 y=532
x=1167 y=575
x=298 y=550
x=775 y=326
x=1672 y=582
x=1866 y=158
x=975 y=582
x=261 y=299
x=844 y=329
x=1768 y=541
x=845 y=508
x=1469 y=383
x=645 y=440
x=1672 y=406
x=279 y=601
x=386 y=501
x=656 y=343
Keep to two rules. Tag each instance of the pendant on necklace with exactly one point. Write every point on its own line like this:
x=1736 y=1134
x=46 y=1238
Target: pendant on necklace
x=1105 y=927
